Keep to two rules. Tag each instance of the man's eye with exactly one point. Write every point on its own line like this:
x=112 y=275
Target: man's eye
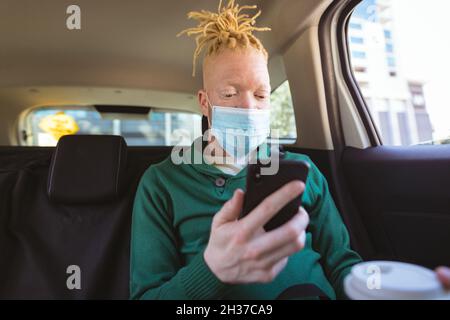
x=229 y=95
x=261 y=97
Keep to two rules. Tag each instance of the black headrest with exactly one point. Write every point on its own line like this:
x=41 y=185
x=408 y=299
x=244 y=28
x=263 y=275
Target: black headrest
x=87 y=169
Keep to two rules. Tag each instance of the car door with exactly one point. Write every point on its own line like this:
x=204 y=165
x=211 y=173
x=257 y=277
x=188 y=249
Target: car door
x=394 y=185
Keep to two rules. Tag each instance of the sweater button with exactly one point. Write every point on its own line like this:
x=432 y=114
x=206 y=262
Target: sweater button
x=220 y=182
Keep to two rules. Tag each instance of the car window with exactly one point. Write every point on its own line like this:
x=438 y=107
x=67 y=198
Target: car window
x=401 y=66
x=43 y=126
x=282 y=114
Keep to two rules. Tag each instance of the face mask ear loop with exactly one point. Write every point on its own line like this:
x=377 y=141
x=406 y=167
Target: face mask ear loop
x=209 y=110
x=209 y=115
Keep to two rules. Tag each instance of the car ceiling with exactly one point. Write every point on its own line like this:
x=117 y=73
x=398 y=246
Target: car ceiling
x=121 y=43
x=126 y=52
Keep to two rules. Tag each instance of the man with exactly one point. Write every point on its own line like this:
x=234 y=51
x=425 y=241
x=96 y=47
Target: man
x=187 y=241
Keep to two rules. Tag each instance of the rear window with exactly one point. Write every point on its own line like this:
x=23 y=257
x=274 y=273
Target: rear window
x=140 y=126
x=44 y=126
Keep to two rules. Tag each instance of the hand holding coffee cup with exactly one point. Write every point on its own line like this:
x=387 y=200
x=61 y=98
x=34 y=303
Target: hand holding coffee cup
x=443 y=274
x=389 y=280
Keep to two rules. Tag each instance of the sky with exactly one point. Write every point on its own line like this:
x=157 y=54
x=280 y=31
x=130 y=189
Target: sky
x=422 y=38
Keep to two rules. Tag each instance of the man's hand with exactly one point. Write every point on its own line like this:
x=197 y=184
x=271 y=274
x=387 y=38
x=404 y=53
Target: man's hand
x=240 y=251
x=443 y=274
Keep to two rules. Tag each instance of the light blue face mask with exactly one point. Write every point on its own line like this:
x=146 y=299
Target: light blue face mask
x=240 y=130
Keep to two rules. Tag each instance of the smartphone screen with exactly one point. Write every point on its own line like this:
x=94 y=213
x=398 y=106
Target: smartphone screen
x=261 y=186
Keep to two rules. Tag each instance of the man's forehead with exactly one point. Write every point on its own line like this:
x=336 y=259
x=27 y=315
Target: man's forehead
x=235 y=59
x=234 y=76
x=237 y=68
x=259 y=82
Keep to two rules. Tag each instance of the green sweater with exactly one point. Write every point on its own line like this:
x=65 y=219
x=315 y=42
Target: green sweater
x=172 y=216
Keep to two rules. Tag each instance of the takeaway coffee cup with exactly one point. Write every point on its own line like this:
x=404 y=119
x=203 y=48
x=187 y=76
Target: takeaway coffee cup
x=388 y=280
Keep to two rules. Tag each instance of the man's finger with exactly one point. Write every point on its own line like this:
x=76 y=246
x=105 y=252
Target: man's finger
x=286 y=235
x=278 y=267
x=267 y=275
x=271 y=205
x=443 y=274
x=284 y=251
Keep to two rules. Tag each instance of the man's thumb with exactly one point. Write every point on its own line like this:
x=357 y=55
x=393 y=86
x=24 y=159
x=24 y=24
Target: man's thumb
x=231 y=209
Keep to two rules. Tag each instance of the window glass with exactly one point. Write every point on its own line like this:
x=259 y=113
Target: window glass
x=45 y=125
x=399 y=56
x=282 y=114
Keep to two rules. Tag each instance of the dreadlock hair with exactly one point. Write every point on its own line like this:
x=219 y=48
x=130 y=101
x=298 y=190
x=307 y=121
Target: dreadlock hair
x=228 y=28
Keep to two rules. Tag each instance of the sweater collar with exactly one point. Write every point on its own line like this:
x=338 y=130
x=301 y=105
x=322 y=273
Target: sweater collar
x=199 y=163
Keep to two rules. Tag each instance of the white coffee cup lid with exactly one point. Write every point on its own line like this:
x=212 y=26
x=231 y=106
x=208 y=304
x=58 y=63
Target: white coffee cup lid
x=393 y=280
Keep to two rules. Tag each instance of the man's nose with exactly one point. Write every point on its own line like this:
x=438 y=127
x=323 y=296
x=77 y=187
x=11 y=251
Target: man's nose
x=248 y=101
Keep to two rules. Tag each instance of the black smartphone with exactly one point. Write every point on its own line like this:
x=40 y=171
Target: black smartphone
x=260 y=186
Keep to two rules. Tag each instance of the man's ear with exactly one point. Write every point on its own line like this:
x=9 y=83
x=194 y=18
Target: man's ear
x=203 y=102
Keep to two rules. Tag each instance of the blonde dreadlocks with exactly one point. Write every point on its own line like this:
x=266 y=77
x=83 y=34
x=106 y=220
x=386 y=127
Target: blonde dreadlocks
x=226 y=28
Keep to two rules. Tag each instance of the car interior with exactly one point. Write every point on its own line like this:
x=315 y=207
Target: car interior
x=71 y=203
